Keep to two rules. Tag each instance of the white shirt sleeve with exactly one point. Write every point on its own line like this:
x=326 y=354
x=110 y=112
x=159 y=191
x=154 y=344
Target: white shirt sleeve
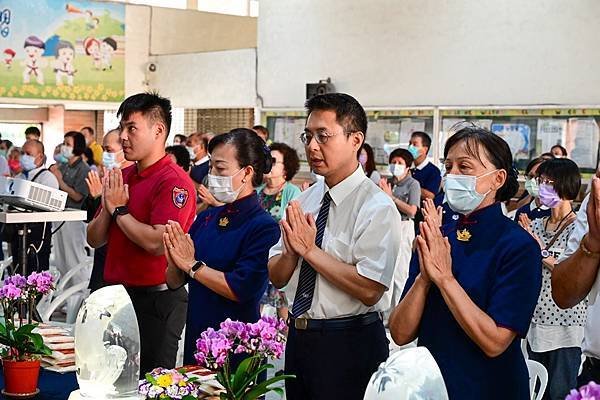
x=4 y=170
x=581 y=228
x=377 y=243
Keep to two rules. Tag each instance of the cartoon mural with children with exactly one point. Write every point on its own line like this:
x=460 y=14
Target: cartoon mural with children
x=80 y=42
x=63 y=65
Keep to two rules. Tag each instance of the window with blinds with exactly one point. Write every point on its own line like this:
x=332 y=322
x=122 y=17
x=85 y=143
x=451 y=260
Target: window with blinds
x=220 y=120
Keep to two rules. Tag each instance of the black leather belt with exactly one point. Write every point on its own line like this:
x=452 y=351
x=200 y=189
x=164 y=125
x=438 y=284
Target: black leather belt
x=147 y=289
x=355 y=321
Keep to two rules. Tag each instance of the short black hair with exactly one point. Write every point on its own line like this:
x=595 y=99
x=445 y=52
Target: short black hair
x=565 y=174
x=291 y=162
x=425 y=138
x=261 y=129
x=404 y=154
x=33 y=130
x=181 y=155
x=79 y=145
x=182 y=138
x=89 y=155
x=8 y=143
x=534 y=162
x=250 y=150
x=151 y=105
x=111 y=42
x=88 y=128
x=496 y=150
x=348 y=111
x=63 y=44
x=562 y=149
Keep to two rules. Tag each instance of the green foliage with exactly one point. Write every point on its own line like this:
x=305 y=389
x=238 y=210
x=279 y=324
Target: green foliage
x=77 y=28
x=22 y=342
x=242 y=385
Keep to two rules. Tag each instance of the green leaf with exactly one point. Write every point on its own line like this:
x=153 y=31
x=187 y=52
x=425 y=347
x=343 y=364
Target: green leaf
x=263 y=387
x=27 y=328
x=241 y=373
x=250 y=379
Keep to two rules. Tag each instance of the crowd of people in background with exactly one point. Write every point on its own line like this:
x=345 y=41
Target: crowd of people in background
x=431 y=252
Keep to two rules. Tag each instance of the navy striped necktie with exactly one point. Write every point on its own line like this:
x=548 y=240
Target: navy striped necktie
x=308 y=276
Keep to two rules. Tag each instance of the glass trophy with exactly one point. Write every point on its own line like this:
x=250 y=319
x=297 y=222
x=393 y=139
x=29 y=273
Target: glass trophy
x=107 y=346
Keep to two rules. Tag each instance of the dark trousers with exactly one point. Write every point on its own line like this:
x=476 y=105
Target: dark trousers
x=161 y=317
x=562 y=366
x=333 y=364
x=589 y=372
x=97 y=276
x=36 y=261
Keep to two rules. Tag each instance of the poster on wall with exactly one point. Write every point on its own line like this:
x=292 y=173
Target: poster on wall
x=550 y=132
x=62 y=50
x=517 y=136
x=582 y=141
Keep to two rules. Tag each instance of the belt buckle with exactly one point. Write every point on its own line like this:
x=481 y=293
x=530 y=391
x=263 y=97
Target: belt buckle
x=300 y=323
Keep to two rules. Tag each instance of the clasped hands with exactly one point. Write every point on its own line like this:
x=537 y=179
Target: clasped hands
x=298 y=231
x=179 y=247
x=114 y=192
x=433 y=249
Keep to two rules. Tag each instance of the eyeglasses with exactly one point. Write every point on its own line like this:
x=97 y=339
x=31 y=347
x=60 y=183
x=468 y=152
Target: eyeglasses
x=321 y=136
x=545 y=181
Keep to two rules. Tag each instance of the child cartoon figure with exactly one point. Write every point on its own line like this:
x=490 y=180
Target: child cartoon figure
x=9 y=56
x=34 y=48
x=92 y=49
x=107 y=48
x=63 y=65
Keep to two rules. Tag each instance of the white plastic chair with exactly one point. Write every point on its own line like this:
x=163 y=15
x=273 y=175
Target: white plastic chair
x=64 y=280
x=537 y=371
x=4 y=264
x=524 y=349
x=74 y=296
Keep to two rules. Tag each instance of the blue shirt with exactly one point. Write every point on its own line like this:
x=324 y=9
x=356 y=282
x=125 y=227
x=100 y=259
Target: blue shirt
x=498 y=267
x=429 y=177
x=235 y=239
x=199 y=172
x=532 y=212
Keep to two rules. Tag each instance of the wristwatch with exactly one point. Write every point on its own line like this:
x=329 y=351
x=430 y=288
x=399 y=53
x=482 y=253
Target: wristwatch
x=195 y=268
x=121 y=210
x=545 y=253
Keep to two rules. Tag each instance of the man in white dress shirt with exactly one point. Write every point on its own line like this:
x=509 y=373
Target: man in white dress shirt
x=39 y=235
x=576 y=277
x=339 y=245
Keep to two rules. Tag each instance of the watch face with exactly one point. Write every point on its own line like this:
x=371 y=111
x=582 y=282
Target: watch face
x=545 y=253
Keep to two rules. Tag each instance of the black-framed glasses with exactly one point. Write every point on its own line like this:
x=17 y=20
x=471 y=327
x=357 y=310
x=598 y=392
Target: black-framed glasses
x=544 y=180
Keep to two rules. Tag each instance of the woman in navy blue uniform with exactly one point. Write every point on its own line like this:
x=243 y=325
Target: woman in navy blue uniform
x=473 y=282
x=224 y=257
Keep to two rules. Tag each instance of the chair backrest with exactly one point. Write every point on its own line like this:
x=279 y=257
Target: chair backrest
x=62 y=298
x=64 y=280
x=537 y=371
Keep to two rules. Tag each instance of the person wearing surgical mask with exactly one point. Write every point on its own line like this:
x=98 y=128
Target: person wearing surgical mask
x=530 y=204
x=473 y=283
x=402 y=188
x=425 y=172
x=112 y=157
x=225 y=284
x=366 y=158
x=555 y=336
x=68 y=243
x=39 y=238
x=197 y=144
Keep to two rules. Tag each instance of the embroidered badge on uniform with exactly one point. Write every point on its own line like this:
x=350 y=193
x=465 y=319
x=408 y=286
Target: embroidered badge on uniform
x=180 y=197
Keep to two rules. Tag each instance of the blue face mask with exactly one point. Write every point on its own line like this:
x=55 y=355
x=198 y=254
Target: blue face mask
x=27 y=162
x=461 y=193
x=414 y=151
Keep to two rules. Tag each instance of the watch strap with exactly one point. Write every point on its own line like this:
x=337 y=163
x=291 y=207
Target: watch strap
x=195 y=268
x=121 y=210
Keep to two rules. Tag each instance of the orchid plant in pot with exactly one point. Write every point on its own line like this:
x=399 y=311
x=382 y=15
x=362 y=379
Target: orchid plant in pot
x=22 y=348
x=259 y=341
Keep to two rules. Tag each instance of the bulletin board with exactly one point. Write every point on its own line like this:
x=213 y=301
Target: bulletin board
x=533 y=131
x=387 y=129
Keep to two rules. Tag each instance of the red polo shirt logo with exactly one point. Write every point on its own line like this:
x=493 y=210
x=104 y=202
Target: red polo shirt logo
x=180 y=197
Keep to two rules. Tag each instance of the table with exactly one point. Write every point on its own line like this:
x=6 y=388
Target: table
x=52 y=385
x=27 y=217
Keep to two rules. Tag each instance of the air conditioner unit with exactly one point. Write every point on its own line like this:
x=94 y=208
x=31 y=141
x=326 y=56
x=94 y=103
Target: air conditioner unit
x=31 y=195
x=314 y=89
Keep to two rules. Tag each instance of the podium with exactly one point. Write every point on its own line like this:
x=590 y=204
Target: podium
x=23 y=218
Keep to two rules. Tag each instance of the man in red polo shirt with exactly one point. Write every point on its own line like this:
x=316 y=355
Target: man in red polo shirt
x=136 y=204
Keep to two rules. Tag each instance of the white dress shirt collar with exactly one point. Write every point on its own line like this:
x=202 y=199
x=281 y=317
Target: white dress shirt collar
x=422 y=165
x=340 y=191
x=202 y=160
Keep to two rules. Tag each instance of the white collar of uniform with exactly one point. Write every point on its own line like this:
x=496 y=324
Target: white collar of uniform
x=533 y=206
x=422 y=165
x=33 y=172
x=340 y=191
x=202 y=160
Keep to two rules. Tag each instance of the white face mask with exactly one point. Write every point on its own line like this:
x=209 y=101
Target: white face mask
x=192 y=151
x=461 y=193
x=110 y=159
x=66 y=151
x=398 y=170
x=222 y=187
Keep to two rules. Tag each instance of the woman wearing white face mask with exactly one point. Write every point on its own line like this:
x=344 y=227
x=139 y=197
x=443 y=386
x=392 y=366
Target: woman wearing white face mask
x=224 y=257
x=366 y=158
x=472 y=288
